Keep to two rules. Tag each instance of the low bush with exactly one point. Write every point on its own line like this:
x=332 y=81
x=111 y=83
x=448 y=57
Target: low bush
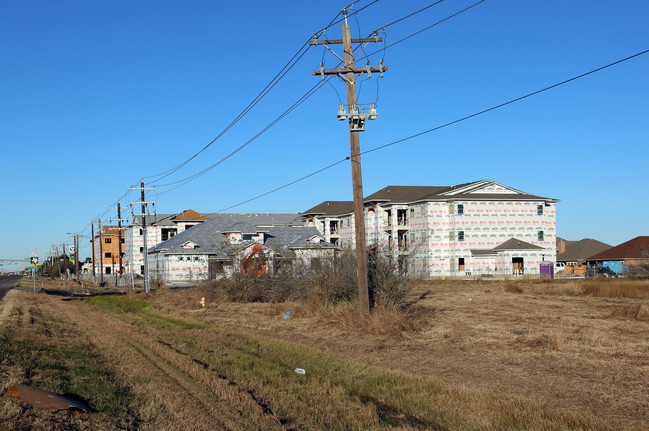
x=326 y=282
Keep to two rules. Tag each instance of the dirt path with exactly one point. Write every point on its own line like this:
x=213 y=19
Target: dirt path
x=178 y=388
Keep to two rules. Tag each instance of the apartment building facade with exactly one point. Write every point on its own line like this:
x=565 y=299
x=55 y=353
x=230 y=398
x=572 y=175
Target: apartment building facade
x=159 y=228
x=106 y=247
x=479 y=228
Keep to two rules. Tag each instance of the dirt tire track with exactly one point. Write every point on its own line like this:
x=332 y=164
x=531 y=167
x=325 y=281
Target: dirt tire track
x=215 y=403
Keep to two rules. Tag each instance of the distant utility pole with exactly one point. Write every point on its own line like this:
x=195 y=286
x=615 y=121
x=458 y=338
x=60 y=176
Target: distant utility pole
x=92 y=240
x=101 y=253
x=348 y=73
x=119 y=235
x=76 y=257
x=145 y=248
x=65 y=263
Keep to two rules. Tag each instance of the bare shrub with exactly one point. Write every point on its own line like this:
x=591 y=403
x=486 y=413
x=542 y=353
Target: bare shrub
x=513 y=288
x=324 y=281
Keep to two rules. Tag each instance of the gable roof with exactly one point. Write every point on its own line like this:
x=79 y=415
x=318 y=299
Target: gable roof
x=226 y=218
x=405 y=193
x=295 y=237
x=636 y=248
x=510 y=244
x=190 y=215
x=580 y=250
x=477 y=190
x=209 y=239
x=108 y=230
x=517 y=244
x=332 y=208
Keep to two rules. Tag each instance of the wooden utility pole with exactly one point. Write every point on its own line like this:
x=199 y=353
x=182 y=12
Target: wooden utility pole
x=92 y=233
x=76 y=257
x=119 y=238
x=65 y=263
x=101 y=254
x=356 y=125
x=145 y=247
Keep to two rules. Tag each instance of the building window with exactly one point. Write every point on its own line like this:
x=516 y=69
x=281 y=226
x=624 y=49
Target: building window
x=460 y=235
x=121 y=241
x=460 y=209
x=195 y=258
x=248 y=236
x=108 y=240
x=539 y=210
x=108 y=255
x=541 y=235
x=451 y=235
x=181 y=258
x=141 y=249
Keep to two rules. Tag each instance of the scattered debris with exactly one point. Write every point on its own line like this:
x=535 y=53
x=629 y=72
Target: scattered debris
x=300 y=371
x=45 y=400
x=286 y=315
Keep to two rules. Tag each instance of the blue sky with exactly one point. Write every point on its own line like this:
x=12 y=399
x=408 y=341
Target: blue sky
x=96 y=95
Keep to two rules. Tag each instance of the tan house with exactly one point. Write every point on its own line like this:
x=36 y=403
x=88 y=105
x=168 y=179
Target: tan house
x=107 y=247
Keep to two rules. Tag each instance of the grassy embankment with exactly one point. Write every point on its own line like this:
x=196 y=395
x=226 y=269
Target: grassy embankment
x=42 y=350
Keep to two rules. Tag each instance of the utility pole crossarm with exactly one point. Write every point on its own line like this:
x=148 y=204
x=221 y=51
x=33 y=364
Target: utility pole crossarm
x=342 y=70
x=339 y=41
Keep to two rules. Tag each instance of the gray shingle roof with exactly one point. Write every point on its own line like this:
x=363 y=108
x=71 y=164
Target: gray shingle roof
x=402 y=194
x=208 y=236
x=581 y=250
x=332 y=208
x=510 y=244
x=517 y=244
x=410 y=194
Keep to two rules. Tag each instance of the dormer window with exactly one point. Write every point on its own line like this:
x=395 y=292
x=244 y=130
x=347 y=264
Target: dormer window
x=247 y=237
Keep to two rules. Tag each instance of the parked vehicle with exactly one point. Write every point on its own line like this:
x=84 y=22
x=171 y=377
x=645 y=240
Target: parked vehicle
x=600 y=271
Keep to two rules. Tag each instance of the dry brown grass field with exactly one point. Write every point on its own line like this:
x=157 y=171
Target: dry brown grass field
x=474 y=355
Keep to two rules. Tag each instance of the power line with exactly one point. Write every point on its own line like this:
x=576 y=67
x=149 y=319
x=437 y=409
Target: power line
x=283 y=71
x=484 y=111
x=409 y=15
x=186 y=180
x=534 y=93
x=287 y=184
x=427 y=28
x=287 y=67
x=190 y=178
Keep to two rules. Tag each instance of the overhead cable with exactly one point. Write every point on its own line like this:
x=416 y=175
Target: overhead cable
x=484 y=111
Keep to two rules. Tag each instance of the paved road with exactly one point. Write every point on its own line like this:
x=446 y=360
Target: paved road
x=7 y=282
